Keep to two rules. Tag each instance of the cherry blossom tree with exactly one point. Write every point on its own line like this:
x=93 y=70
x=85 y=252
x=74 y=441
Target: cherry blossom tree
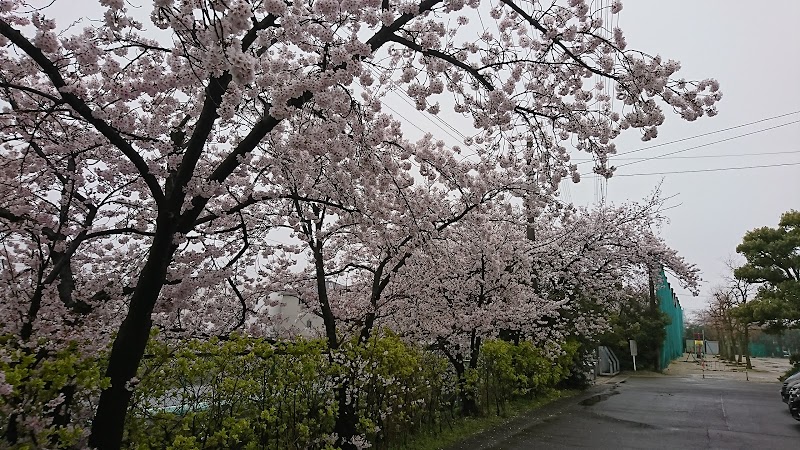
x=719 y=316
x=139 y=154
x=471 y=283
x=604 y=250
x=409 y=194
x=484 y=278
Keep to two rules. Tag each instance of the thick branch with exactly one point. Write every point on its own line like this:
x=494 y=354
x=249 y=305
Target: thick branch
x=18 y=87
x=384 y=34
x=122 y=230
x=52 y=72
x=444 y=57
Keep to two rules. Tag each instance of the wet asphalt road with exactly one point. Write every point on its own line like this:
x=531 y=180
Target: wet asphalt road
x=656 y=413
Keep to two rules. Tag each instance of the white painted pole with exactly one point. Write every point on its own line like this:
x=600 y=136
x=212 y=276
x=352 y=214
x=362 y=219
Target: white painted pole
x=634 y=363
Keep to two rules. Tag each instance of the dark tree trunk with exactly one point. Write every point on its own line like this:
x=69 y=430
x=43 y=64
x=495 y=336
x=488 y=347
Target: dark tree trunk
x=322 y=293
x=11 y=432
x=129 y=345
x=469 y=405
x=653 y=307
x=734 y=349
x=346 y=419
x=469 y=402
x=513 y=336
x=724 y=345
x=61 y=415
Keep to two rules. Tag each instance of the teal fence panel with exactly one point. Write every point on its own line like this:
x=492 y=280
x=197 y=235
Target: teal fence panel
x=758 y=349
x=765 y=349
x=669 y=304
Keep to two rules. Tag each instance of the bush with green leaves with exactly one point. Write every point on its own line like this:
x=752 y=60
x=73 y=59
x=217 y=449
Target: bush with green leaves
x=401 y=389
x=237 y=393
x=247 y=393
x=46 y=394
x=507 y=371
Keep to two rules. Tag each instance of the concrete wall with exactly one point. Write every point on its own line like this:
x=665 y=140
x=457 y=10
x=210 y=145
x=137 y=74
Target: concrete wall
x=284 y=316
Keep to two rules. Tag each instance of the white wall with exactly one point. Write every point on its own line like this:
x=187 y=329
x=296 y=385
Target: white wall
x=290 y=318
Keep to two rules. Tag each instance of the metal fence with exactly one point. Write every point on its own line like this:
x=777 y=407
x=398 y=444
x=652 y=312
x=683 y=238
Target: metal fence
x=669 y=304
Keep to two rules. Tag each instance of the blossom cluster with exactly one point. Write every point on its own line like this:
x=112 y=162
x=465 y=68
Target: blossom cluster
x=150 y=164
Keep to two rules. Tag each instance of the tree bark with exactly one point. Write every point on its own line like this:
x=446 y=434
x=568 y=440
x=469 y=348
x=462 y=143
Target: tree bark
x=733 y=342
x=469 y=404
x=735 y=353
x=724 y=345
x=346 y=419
x=653 y=305
x=129 y=345
x=324 y=302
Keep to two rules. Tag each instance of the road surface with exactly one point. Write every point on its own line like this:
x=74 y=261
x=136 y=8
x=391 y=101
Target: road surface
x=656 y=412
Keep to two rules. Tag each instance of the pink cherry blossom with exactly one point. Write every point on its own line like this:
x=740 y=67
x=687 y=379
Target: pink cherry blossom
x=150 y=165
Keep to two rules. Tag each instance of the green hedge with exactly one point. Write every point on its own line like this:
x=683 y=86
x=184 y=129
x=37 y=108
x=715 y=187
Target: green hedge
x=46 y=396
x=246 y=393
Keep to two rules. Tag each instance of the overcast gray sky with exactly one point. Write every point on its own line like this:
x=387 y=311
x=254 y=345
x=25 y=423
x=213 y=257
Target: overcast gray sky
x=753 y=49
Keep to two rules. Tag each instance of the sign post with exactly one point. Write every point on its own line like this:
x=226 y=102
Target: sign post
x=634 y=351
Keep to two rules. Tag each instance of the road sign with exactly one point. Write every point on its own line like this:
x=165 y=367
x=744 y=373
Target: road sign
x=633 y=347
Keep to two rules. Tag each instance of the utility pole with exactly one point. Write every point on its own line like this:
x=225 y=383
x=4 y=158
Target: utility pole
x=530 y=232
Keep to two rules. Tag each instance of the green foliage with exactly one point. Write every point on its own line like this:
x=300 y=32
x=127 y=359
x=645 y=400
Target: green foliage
x=581 y=366
x=239 y=393
x=465 y=427
x=773 y=258
x=45 y=395
x=247 y=393
x=772 y=253
x=399 y=388
x=636 y=320
x=508 y=371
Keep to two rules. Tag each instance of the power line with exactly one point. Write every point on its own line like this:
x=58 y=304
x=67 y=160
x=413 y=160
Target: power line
x=670 y=207
x=691 y=295
x=405 y=98
x=766 y=119
x=738 y=136
x=719 y=169
x=462 y=140
x=712 y=143
x=402 y=95
x=730 y=155
x=427 y=115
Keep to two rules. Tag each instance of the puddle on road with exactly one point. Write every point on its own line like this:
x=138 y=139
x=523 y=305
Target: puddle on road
x=595 y=399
